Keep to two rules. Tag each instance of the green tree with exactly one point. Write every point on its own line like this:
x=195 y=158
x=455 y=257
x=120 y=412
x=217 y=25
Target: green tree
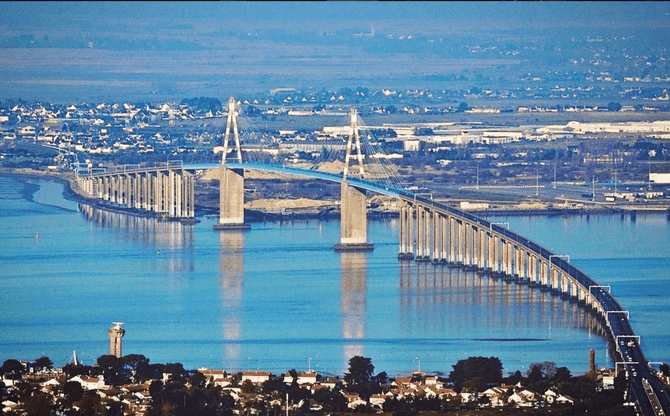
x=360 y=370
x=562 y=374
x=72 y=370
x=112 y=369
x=38 y=403
x=331 y=400
x=473 y=385
x=462 y=107
x=547 y=368
x=489 y=370
x=381 y=378
x=73 y=390
x=12 y=369
x=535 y=375
x=248 y=387
x=43 y=363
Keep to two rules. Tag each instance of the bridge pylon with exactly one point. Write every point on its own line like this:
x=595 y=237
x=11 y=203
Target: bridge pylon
x=231 y=181
x=353 y=206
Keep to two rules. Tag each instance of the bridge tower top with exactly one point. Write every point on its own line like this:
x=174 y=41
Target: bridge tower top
x=354 y=140
x=232 y=121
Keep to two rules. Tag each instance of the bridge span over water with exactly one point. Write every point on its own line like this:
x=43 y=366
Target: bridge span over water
x=429 y=232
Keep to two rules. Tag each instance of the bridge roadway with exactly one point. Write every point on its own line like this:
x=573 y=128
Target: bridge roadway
x=583 y=288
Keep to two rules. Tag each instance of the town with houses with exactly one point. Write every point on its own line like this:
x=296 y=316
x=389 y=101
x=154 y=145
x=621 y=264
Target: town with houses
x=461 y=143
x=577 y=105
x=35 y=388
x=193 y=131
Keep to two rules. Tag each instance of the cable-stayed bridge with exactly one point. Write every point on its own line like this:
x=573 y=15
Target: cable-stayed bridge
x=429 y=231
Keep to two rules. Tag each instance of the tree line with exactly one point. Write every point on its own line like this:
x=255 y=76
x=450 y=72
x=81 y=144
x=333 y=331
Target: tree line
x=188 y=392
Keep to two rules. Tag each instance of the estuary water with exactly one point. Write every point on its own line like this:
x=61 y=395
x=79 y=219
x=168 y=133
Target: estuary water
x=277 y=297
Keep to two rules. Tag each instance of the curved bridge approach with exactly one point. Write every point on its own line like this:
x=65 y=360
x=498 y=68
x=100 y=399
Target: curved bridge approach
x=429 y=232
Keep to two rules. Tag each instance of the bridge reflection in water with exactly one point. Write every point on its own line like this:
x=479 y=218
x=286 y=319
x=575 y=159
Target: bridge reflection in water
x=173 y=240
x=232 y=290
x=353 y=288
x=426 y=290
x=485 y=302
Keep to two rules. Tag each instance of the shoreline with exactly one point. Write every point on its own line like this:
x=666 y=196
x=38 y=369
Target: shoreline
x=325 y=213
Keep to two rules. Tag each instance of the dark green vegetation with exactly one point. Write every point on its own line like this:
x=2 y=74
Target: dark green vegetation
x=188 y=392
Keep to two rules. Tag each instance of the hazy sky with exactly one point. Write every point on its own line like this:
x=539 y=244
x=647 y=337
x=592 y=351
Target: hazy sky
x=33 y=15
x=100 y=50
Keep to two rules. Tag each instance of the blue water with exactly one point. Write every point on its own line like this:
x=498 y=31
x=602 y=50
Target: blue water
x=278 y=297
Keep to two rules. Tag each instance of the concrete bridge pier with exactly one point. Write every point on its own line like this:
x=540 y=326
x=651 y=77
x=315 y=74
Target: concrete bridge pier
x=353 y=220
x=505 y=258
x=491 y=264
x=532 y=272
x=406 y=251
x=231 y=199
x=426 y=224
x=437 y=237
x=544 y=273
x=554 y=279
x=467 y=245
x=453 y=241
x=483 y=241
x=444 y=244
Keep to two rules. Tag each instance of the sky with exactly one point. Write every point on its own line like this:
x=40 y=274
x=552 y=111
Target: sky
x=20 y=15
x=97 y=50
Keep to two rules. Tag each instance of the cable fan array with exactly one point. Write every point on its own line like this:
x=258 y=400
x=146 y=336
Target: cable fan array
x=316 y=150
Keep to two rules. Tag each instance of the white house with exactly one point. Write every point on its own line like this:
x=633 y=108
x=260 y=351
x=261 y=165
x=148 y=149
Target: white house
x=564 y=400
x=256 y=377
x=523 y=398
x=89 y=383
x=306 y=378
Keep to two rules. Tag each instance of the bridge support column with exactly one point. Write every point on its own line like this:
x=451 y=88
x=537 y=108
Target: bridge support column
x=188 y=192
x=125 y=190
x=144 y=190
x=518 y=262
x=453 y=240
x=353 y=220
x=437 y=239
x=504 y=257
x=544 y=271
x=115 y=189
x=461 y=243
x=467 y=245
x=554 y=279
x=532 y=273
x=564 y=284
x=175 y=193
x=491 y=242
x=444 y=245
x=421 y=213
x=483 y=241
x=156 y=192
x=137 y=190
x=106 y=188
x=406 y=235
x=573 y=288
x=427 y=228
x=475 y=246
x=231 y=199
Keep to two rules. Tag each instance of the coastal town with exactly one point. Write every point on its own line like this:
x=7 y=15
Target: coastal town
x=38 y=140
x=489 y=109
x=485 y=165
x=130 y=385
